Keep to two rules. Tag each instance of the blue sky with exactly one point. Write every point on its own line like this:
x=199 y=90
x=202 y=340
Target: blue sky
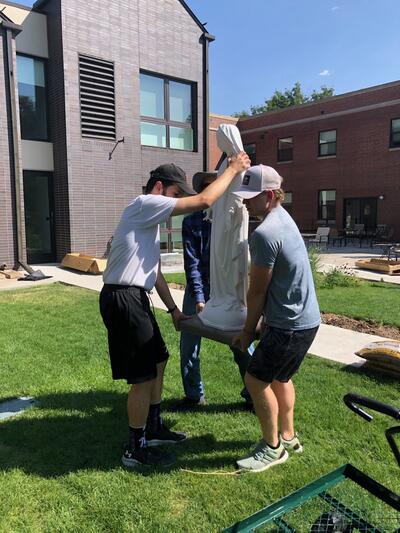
x=263 y=45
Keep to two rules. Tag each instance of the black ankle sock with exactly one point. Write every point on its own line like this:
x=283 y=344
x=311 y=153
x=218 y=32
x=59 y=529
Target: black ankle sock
x=153 y=423
x=273 y=447
x=137 y=438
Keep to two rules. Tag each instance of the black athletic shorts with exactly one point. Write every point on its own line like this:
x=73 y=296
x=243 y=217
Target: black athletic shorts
x=280 y=353
x=134 y=339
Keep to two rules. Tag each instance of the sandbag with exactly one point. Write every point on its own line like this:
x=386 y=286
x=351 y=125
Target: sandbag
x=383 y=356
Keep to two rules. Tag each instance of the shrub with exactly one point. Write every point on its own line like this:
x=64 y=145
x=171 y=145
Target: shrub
x=337 y=278
x=315 y=263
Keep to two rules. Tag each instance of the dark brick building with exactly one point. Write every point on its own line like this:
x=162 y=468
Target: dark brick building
x=89 y=74
x=340 y=158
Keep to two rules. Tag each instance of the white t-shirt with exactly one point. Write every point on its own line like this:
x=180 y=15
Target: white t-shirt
x=135 y=249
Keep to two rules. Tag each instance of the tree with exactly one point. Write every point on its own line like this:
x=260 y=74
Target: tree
x=288 y=98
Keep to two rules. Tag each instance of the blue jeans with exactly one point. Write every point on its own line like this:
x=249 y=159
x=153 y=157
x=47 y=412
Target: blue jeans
x=190 y=357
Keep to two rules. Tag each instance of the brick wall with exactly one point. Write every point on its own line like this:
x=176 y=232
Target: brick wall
x=8 y=234
x=57 y=126
x=6 y=214
x=157 y=36
x=364 y=165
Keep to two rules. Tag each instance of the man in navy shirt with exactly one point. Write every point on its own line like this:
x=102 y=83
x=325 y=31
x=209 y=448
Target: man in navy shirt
x=196 y=235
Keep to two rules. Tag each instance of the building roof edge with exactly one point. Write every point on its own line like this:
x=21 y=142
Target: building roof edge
x=328 y=99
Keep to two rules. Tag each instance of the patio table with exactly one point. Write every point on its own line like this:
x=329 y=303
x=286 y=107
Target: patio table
x=388 y=248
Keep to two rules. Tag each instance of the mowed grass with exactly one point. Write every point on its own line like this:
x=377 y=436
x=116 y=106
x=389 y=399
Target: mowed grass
x=60 y=462
x=368 y=301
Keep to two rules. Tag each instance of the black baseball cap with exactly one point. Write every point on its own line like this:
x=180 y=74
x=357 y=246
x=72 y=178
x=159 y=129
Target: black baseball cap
x=174 y=174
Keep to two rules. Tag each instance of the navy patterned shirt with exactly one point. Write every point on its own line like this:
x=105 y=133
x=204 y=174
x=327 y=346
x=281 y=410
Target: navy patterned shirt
x=196 y=234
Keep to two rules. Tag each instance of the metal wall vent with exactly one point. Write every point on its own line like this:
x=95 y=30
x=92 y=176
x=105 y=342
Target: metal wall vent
x=97 y=93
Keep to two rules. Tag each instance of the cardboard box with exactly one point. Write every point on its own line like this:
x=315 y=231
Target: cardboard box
x=84 y=263
x=11 y=274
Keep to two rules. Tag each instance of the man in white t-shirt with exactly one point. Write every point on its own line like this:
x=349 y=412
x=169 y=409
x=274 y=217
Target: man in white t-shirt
x=137 y=349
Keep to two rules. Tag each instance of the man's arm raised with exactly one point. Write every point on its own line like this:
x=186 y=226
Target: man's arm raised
x=238 y=163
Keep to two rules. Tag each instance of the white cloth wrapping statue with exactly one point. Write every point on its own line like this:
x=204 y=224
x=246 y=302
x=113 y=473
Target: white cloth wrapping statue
x=226 y=308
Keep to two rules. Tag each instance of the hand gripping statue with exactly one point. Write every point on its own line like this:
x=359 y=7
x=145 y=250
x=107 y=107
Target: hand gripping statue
x=226 y=308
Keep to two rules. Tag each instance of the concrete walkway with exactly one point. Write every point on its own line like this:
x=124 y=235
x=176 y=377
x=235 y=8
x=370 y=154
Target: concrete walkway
x=346 y=258
x=336 y=344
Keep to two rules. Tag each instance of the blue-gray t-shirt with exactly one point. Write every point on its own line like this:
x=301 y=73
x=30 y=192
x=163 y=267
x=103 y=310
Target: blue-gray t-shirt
x=291 y=302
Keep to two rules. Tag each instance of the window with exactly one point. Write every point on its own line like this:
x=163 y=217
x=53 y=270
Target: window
x=285 y=149
x=171 y=234
x=287 y=202
x=327 y=143
x=167 y=113
x=327 y=205
x=97 y=92
x=395 y=133
x=250 y=150
x=32 y=98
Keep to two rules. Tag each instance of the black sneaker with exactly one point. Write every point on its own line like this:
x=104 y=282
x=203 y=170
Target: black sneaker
x=164 y=436
x=189 y=404
x=145 y=457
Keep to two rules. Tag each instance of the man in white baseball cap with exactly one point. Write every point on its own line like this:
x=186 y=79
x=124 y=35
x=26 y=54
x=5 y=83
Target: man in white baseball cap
x=258 y=179
x=282 y=289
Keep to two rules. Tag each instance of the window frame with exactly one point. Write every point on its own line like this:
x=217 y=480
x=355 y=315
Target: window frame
x=45 y=62
x=278 y=151
x=319 y=213
x=391 y=144
x=166 y=121
x=331 y=142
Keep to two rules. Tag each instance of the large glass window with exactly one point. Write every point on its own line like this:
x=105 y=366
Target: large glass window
x=285 y=149
x=167 y=113
x=32 y=98
x=327 y=206
x=395 y=133
x=327 y=143
x=250 y=150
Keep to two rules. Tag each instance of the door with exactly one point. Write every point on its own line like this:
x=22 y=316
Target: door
x=39 y=216
x=360 y=211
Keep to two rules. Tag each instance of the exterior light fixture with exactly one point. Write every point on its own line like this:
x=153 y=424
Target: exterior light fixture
x=381 y=197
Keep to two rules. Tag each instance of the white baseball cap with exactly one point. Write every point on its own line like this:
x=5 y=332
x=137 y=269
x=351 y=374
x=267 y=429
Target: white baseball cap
x=258 y=179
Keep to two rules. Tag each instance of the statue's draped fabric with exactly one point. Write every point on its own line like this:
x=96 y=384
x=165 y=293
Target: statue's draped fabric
x=226 y=308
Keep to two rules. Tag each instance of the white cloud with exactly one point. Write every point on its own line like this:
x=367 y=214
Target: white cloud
x=335 y=8
x=325 y=72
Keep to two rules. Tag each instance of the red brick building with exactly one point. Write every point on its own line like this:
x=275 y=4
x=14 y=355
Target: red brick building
x=340 y=158
x=215 y=121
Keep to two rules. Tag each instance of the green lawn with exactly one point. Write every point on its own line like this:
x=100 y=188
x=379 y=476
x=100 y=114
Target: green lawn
x=374 y=301
x=369 y=300
x=60 y=462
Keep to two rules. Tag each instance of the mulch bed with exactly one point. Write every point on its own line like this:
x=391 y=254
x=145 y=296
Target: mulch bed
x=362 y=326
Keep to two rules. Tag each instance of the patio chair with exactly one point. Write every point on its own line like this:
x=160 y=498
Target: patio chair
x=382 y=234
x=356 y=234
x=321 y=237
x=336 y=238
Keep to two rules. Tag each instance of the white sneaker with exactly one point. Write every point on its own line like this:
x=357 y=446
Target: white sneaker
x=263 y=457
x=292 y=445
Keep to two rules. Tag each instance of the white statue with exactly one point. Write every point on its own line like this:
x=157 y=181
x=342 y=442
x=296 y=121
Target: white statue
x=226 y=309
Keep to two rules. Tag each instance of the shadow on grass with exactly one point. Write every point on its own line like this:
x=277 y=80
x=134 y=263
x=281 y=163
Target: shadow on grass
x=363 y=370
x=84 y=430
